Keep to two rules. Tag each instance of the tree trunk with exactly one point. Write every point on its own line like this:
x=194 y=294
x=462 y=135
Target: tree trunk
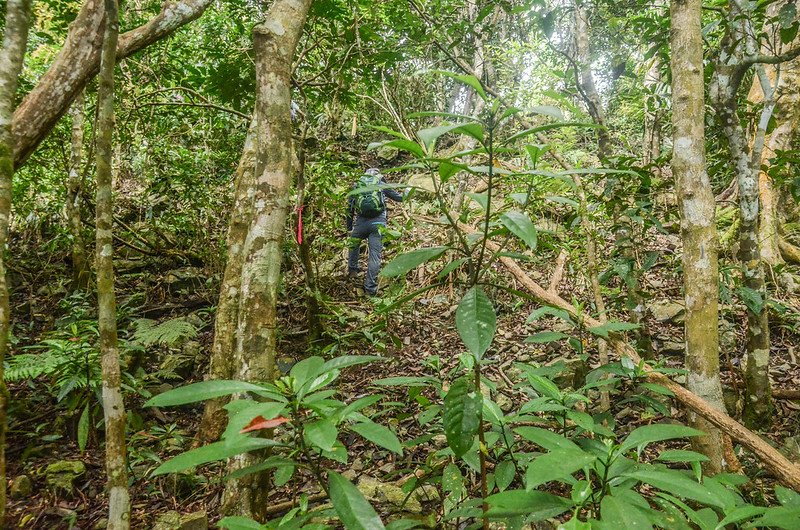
x=254 y=357
x=698 y=230
x=15 y=39
x=653 y=114
x=113 y=407
x=227 y=316
x=79 y=60
x=80 y=265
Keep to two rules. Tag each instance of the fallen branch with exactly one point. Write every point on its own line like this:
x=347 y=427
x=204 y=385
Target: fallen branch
x=789 y=252
x=558 y=272
x=777 y=464
x=785 y=393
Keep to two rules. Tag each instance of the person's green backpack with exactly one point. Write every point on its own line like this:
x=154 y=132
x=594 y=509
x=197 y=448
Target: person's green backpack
x=369 y=204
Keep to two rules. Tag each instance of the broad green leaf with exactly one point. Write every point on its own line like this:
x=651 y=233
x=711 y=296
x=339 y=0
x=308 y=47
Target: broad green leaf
x=504 y=474
x=403 y=144
x=656 y=433
x=403 y=524
x=388 y=131
x=742 y=513
x=548 y=310
x=359 y=404
x=476 y=321
x=547 y=439
x=469 y=80
x=353 y=509
x=543 y=337
x=617 y=513
x=548 y=127
x=322 y=433
x=378 y=434
x=83 y=429
x=450 y=267
x=447 y=170
x=239 y=523
x=200 y=392
x=778 y=517
x=611 y=327
x=787 y=497
x=534 y=505
x=563 y=200
x=481 y=198
x=680 y=455
x=547 y=110
x=521 y=226
x=344 y=361
x=242 y=412
x=429 y=136
x=462 y=415
x=283 y=474
x=555 y=465
x=405 y=262
x=306 y=370
x=212 y=453
x=544 y=387
x=678 y=484
x=452 y=480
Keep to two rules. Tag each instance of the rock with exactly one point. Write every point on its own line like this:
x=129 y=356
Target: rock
x=667 y=310
x=788 y=281
x=671 y=347
x=21 y=487
x=192 y=349
x=387 y=153
x=185 y=279
x=173 y=520
x=101 y=524
x=439 y=441
x=727 y=337
x=388 y=493
x=427 y=493
x=791 y=448
x=60 y=476
x=422 y=183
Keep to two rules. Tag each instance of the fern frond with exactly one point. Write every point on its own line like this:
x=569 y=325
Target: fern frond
x=149 y=332
x=32 y=365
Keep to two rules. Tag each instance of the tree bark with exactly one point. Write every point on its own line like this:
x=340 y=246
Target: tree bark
x=79 y=60
x=113 y=406
x=72 y=207
x=275 y=41
x=698 y=230
x=227 y=315
x=15 y=39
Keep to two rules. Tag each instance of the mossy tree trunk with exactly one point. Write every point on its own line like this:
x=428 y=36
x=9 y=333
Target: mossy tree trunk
x=698 y=230
x=15 y=39
x=275 y=42
x=113 y=407
x=80 y=265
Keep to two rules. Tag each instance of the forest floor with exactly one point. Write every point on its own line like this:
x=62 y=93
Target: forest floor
x=418 y=338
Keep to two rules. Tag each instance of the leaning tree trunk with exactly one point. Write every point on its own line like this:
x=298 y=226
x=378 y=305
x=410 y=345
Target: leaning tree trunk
x=698 y=230
x=79 y=60
x=80 y=265
x=113 y=407
x=11 y=57
x=254 y=357
x=227 y=315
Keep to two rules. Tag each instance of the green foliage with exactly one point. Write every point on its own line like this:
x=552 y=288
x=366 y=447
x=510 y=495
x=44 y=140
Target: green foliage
x=150 y=333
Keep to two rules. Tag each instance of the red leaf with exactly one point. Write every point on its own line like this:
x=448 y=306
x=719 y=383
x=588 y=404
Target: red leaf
x=259 y=423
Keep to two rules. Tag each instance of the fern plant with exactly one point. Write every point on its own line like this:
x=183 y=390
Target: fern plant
x=148 y=332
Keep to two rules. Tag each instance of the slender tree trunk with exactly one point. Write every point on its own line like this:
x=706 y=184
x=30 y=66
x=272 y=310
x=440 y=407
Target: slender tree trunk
x=227 y=316
x=80 y=265
x=113 y=406
x=653 y=115
x=15 y=39
x=254 y=357
x=698 y=230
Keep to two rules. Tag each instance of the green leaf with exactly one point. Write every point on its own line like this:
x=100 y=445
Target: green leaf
x=344 y=361
x=778 y=517
x=544 y=387
x=200 y=392
x=555 y=465
x=359 y=404
x=547 y=110
x=452 y=480
x=353 y=509
x=616 y=513
x=547 y=439
x=410 y=381
x=739 y=514
x=378 y=434
x=481 y=198
x=563 y=200
x=680 y=455
x=450 y=267
x=611 y=327
x=521 y=226
x=402 y=144
x=553 y=311
x=322 y=433
x=476 y=321
x=544 y=337
x=678 y=484
x=656 y=433
x=462 y=415
x=469 y=80
x=787 y=497
x=504 y=474
x=429 y=136
x=447 y=170
x=83 y=429
x=212 y=453
x=405 y=262
x=535 y=505
x=283 y=474
x=239 y=523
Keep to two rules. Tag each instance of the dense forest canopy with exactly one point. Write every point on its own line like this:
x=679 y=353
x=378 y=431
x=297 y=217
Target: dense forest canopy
x=308 y=264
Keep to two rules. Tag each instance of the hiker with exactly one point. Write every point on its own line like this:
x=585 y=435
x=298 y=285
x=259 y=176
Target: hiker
x=366 y=214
